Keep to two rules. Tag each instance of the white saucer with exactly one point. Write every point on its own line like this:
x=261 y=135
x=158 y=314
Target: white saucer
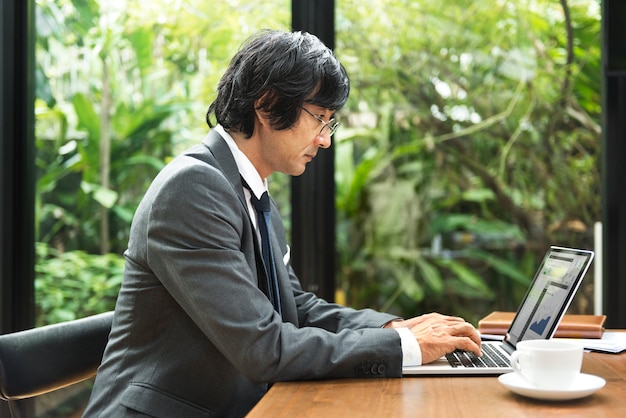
x=583 y=385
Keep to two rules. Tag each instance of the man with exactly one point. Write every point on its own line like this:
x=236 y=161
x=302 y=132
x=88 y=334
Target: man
x=203 y=324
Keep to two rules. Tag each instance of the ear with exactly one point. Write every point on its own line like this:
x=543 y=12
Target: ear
x=264 y=102
x=261 y=116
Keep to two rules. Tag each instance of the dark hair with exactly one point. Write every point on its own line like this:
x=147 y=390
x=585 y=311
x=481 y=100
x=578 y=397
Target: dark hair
x=285 y=70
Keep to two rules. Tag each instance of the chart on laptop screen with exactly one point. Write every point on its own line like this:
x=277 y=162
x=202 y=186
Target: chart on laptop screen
x=548 y=295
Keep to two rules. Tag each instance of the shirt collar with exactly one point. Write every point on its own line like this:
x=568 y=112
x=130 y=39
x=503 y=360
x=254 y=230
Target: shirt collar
x=246 y=169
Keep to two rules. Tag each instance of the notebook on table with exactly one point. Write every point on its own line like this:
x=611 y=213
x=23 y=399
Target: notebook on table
x=497 y=324
x=555 y=283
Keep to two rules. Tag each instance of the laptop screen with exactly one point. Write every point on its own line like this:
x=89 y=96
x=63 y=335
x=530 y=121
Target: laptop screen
x=550 y=293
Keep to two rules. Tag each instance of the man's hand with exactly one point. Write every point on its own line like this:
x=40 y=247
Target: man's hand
x=439 y=334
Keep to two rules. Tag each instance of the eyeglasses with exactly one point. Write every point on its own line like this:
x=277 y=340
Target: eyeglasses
x=331 y=126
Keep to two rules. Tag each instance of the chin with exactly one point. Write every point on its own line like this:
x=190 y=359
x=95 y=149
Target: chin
x=298 y=172
x=293 y=171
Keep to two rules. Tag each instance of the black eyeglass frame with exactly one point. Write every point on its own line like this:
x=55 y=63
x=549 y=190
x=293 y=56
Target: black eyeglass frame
x=332 y=125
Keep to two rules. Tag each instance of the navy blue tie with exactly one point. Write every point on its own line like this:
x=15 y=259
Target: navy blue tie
x=262 y=207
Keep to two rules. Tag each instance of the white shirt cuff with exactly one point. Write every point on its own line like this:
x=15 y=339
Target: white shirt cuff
x=411 y=352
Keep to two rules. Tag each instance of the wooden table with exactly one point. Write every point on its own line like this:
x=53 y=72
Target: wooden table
x=442 y=397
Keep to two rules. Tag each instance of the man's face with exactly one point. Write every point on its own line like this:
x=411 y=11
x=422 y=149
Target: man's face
x=288 y=151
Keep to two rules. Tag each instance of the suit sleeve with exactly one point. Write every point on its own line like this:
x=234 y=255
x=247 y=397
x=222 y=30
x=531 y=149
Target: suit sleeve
x=199 y=245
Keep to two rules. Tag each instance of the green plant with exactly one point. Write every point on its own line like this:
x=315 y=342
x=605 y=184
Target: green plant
x=121 y=88
x=401 y=247
x=472 y=120
x=470 y=141
x=74 y=284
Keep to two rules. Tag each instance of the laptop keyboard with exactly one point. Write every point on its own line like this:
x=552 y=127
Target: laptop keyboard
x=491 y=358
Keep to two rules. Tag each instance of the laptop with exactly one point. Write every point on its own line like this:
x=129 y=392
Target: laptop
x=550 y=294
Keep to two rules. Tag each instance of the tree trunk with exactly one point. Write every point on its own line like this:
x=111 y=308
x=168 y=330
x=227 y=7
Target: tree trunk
x=105 y=154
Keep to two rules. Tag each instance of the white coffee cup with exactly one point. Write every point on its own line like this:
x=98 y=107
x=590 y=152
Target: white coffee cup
x=548 y=364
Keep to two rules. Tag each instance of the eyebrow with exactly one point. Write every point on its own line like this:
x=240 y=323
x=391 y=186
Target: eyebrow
x=333 y=114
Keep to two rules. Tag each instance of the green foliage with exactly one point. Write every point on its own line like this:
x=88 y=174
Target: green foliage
x=121 y=87
x=74 y=284
x=144 y=82
x=469 y=144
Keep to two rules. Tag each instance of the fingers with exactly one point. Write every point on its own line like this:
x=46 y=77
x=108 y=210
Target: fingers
x=468 y=339
x=464 y=337
x=467 y=330
x=439 y=335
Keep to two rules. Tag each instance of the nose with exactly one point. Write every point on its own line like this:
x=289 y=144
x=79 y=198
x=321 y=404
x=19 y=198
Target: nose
x=323 y=140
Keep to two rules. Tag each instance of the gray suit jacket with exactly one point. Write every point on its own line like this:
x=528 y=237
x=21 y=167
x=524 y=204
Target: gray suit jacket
x=193 y=335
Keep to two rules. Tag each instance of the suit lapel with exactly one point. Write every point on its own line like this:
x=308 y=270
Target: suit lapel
x=224 y=160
